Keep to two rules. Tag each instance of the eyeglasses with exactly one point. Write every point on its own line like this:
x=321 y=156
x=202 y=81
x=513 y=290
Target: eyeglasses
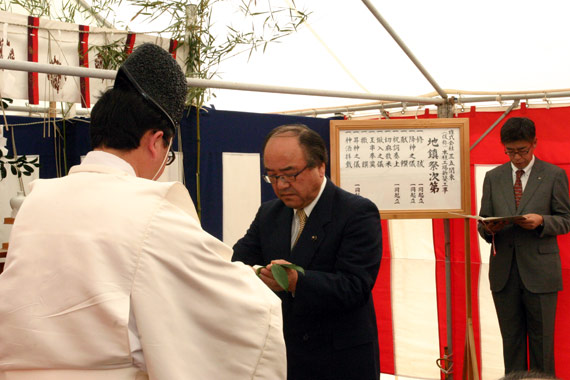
x=514 y=152
x=286 y=178
x=171 y=157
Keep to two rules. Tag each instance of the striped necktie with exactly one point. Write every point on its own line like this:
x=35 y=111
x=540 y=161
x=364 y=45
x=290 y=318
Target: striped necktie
x=518 y=187
x=302 y=220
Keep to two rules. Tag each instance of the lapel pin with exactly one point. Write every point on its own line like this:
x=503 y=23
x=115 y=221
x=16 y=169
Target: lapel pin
x=314 y=237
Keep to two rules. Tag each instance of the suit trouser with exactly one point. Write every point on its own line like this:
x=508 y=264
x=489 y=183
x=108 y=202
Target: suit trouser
x=525 y=315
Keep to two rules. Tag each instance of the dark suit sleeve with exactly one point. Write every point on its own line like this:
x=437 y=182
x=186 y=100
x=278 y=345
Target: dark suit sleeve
x=357 y=260
x=558 y=222
x=486 y=207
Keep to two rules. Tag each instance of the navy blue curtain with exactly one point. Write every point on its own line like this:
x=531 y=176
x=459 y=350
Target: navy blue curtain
x=228 y=131
x=220 y=131
x=35 y=136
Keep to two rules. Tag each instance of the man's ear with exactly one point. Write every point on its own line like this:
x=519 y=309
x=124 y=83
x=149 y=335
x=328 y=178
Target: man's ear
x=322 y=168
x=153 y=138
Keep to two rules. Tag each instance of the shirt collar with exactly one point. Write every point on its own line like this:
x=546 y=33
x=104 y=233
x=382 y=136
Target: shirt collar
x=99 y=157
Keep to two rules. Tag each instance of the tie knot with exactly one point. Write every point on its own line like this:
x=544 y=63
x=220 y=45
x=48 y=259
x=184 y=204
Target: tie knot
x=302 y=216
x=520 y=173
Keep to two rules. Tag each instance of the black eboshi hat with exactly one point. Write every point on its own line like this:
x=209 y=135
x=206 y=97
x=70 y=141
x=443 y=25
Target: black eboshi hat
x=153 y=72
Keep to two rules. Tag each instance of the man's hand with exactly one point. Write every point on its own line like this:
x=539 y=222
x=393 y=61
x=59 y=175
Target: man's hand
x=266 y=276
x=531 y=221
x=492 y=227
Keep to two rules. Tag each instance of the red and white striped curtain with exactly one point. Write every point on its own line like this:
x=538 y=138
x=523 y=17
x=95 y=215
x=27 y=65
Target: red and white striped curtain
x=410 y=293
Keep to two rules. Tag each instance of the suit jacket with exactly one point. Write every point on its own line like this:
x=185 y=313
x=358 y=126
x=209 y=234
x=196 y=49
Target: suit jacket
x=536 y=251
x=332 y=311
x=90 y=249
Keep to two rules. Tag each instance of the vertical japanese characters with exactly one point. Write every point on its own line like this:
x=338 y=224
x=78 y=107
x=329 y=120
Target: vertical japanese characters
x=411 y=164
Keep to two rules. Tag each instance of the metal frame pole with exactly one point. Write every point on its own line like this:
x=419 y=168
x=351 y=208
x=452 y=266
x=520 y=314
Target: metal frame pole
x=396 y=100
x=514 y=105
x=208 y=83
x=446 y=111
x=521 y=96
x=405 y=48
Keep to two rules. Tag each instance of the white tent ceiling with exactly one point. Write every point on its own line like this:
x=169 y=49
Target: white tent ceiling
x=476 y=46
x=491 y=46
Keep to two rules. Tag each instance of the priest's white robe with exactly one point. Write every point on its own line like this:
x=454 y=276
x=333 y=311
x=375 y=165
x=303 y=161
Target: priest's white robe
x=100 y=246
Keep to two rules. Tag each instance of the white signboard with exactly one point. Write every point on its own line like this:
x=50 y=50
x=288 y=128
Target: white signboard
x=406 y=167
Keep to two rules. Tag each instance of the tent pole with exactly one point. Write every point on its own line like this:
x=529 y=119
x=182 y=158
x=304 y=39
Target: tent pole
x=110 y=74
x=514 y=105
x=405 y=48
x=445 y=111
x=205 y=83
x=208 y=83
x=475 y=99
x=532 y=95
x=470 y=365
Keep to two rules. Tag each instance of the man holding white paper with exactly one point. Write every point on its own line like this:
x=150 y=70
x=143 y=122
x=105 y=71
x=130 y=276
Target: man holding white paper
x=524 y=268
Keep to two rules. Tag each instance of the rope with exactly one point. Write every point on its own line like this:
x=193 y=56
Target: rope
x=41 y=122
x=445 y=364
x=105 y=32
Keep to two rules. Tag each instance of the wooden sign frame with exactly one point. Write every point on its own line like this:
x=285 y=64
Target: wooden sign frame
x=459 y=128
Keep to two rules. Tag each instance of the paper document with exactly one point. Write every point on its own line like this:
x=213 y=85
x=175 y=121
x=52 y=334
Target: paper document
x=510 y=219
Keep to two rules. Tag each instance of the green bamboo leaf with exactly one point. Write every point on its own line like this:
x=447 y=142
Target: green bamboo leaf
x=295 y=267
x=3 y=172
x=13 y=170
x=280 y=275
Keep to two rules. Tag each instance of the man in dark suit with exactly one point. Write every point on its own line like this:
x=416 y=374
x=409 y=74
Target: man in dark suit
x=328 y=313
x=524 y=270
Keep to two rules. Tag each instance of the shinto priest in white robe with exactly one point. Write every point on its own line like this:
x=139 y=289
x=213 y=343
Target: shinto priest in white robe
x=110 y=276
